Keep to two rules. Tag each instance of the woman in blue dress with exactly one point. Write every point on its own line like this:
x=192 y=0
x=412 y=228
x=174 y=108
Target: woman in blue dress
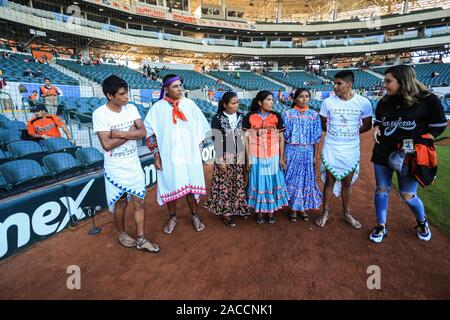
x=302 y=136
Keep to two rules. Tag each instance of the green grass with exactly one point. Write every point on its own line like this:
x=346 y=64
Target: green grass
x=436 y=197
x=446 y=134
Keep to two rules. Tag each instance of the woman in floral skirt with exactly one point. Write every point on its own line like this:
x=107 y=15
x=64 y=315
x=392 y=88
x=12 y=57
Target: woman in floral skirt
x=302 y=135
x=227 y=196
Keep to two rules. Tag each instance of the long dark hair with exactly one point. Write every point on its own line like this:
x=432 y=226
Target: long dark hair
x=260 y=97
x=411 y=89
x=226 y=98
x=297 y=93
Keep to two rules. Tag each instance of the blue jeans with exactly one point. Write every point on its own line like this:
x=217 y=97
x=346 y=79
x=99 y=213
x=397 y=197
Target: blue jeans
x=407 y=186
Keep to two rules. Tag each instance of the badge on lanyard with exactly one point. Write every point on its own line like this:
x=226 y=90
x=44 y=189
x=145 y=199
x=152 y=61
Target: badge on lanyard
x=408 y=146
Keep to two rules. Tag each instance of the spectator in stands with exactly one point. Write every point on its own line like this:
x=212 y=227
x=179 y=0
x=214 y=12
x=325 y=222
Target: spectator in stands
x=118 y=126
x=20 y=47
x=265 y=158
x=211 y=94
x=28 y=73
x=38 y=73
x=45 y=60
x=238 y=75
x=303 y=134
x=434 y=74
x=2 y=81
x=45 y=125
x=341 y=116
x=6 y=55
x=50 y=94
x=408 y=111
x=228 y=193
x=33 y=98
x=176 y=126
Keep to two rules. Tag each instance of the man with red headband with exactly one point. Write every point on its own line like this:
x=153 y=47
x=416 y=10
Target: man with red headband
x=175 y=129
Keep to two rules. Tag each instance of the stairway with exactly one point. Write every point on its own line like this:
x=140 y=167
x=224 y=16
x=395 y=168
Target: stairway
x=374 y=73
x=86 y=82
x=234 y=88
x=287 y=87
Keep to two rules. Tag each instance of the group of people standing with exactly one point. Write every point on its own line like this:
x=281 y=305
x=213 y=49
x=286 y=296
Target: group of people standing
x=264 y=160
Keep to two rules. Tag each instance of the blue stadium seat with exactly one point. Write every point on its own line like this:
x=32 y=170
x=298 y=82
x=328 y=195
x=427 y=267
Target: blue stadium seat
x=3 y=121
x=60 y=164
x=15 y=125
x=21 y=173
x=90 y=157
x=14 y=67
x=61 y=145
x=26 y=149
x=3 y=184
x=8 y=136
x=4 y=157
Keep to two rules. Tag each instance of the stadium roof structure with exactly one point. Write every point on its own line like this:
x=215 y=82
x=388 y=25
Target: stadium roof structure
x=320 y=10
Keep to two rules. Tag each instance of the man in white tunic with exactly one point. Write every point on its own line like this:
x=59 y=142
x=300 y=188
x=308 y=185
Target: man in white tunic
x=118 y=126
x=175 y=129
x=342 y=115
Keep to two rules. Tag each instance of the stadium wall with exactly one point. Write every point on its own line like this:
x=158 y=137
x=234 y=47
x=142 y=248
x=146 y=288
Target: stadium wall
x=37 y=215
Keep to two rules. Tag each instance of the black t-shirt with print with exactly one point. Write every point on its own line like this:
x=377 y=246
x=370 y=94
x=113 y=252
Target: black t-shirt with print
x=398 y=122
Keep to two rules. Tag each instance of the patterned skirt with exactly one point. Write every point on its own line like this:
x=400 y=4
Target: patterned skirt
x=267 y=190
x=227 y=196
x=301 y=179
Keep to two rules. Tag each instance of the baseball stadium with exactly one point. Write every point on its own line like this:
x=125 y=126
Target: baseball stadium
x=224 y=150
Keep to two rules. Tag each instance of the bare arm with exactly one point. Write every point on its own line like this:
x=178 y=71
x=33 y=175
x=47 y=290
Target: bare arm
x=281 y=144
x=137 y=131
x=282 y=155
x=67 y=132
x=324 y=123
x=247 y=149
x=367 y=125
x=109 y=143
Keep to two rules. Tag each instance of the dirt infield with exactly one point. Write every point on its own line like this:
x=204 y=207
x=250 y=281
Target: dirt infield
x=281 y=261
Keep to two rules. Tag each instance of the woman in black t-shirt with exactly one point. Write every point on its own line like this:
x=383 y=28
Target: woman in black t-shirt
x=407 y=111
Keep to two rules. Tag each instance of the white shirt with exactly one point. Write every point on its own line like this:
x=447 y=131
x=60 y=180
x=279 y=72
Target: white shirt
x=104 y=119
x=344 y=117
x=233 y=119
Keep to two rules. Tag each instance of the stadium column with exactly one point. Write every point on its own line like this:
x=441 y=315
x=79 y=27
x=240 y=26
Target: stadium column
x=275 y=65
x=221 y=64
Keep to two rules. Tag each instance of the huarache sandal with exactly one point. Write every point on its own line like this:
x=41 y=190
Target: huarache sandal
x=271 y=219
x=229 y=222
x=304 y=216
x=293 y=216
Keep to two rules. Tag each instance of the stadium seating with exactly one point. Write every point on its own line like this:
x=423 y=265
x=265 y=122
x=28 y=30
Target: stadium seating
x=15 y=125
x=424 y=71
x=7 y=136
x=98 y=73
x=26 y=149
x=247 y=80
x=207 y=108
x=3 y=184
x=300 y=79
x=90 y=158
x=61 y=164
x=4 y=157
x=21 y=173
x=362 y=79
x=3 y=121
x=193 y=80
x=61 y=145
x=14 y=68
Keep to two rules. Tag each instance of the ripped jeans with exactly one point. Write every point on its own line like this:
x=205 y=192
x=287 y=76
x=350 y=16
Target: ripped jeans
x=408 y=192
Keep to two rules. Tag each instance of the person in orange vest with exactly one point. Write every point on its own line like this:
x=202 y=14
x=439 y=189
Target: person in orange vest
x=50 y=94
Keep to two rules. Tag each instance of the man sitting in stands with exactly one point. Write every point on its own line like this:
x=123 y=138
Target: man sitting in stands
x=45 y=125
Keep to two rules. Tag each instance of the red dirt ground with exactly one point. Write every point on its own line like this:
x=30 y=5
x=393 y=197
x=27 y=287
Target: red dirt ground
x=281 y=261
